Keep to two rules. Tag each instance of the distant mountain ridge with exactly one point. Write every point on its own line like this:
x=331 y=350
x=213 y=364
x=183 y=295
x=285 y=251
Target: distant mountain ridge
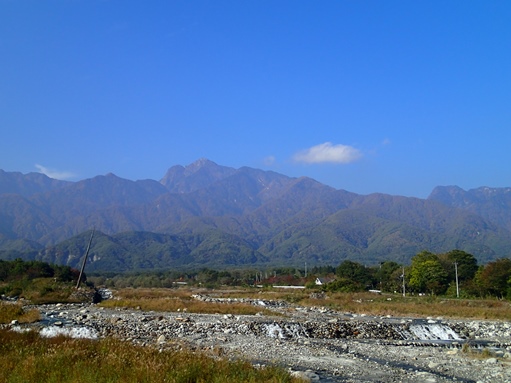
x=205 y=214
x=493 y=204
x=27 y=184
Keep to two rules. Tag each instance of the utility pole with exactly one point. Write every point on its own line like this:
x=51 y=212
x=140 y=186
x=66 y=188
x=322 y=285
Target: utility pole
x=305 y=269
x=457 y=285
x=84 y=260
x=381 y=283
x=404 y=287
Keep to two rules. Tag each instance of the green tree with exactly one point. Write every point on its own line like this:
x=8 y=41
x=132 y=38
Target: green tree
x=207 y=277
x=427 y=274
x=355 y=272
x=424 y=256
x=466 y=265
x=387 y=276
x=493 y=278
x=344 y=285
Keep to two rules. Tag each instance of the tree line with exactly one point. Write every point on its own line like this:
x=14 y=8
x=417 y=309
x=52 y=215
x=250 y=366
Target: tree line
x=455 y=273
x=19 y=269
x=19 y=278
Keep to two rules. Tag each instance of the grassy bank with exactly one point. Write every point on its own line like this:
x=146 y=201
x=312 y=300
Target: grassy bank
x=26 y=357
x=396 y=305
x=15 y=311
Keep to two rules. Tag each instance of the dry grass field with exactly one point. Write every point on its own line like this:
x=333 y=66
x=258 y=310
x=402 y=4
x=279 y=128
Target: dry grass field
x=489 y=309
x=27 y=357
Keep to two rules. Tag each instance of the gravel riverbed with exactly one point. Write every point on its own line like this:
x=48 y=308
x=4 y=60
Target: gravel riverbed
x=315 y=343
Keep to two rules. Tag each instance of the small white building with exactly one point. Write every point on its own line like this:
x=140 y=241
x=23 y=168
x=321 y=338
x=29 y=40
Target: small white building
x=323 y=281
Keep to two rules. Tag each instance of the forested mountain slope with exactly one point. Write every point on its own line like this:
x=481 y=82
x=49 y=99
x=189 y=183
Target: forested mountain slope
x=207 y=214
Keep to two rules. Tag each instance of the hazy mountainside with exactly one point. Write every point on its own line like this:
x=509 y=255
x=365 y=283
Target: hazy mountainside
x=493 y=204
x=27 y=184
x=205 y=214
x=137 y=251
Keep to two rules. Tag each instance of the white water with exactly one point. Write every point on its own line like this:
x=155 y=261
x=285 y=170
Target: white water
x=19 y=329
x=53 y=331
x=73 y=332
x=289 y=331
x=433 y=331
x=275 y=331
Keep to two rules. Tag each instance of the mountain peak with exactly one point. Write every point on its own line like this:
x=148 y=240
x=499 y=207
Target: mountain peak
x=199 y=164
x=197 y=175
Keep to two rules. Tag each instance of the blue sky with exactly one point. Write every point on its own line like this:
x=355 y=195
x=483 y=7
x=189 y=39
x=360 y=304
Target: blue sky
x=368 y=96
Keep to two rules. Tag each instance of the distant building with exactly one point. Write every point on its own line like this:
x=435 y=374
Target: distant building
x=323 y=281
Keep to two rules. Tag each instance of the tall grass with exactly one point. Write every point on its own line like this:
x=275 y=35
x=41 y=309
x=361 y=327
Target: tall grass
x=27 y=357
x=15 y=311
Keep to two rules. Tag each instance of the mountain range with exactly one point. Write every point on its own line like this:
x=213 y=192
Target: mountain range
x=205 y=214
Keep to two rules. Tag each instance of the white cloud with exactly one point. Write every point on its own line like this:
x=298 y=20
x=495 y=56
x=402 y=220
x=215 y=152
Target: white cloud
x=270 y=160
x=327 y=152
x=52 y=173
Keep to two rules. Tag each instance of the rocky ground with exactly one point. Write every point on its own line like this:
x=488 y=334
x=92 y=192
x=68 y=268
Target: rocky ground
x=315 y=343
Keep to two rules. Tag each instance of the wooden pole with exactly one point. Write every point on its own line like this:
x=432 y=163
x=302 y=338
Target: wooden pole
x=84 y=260
x=457 y=285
